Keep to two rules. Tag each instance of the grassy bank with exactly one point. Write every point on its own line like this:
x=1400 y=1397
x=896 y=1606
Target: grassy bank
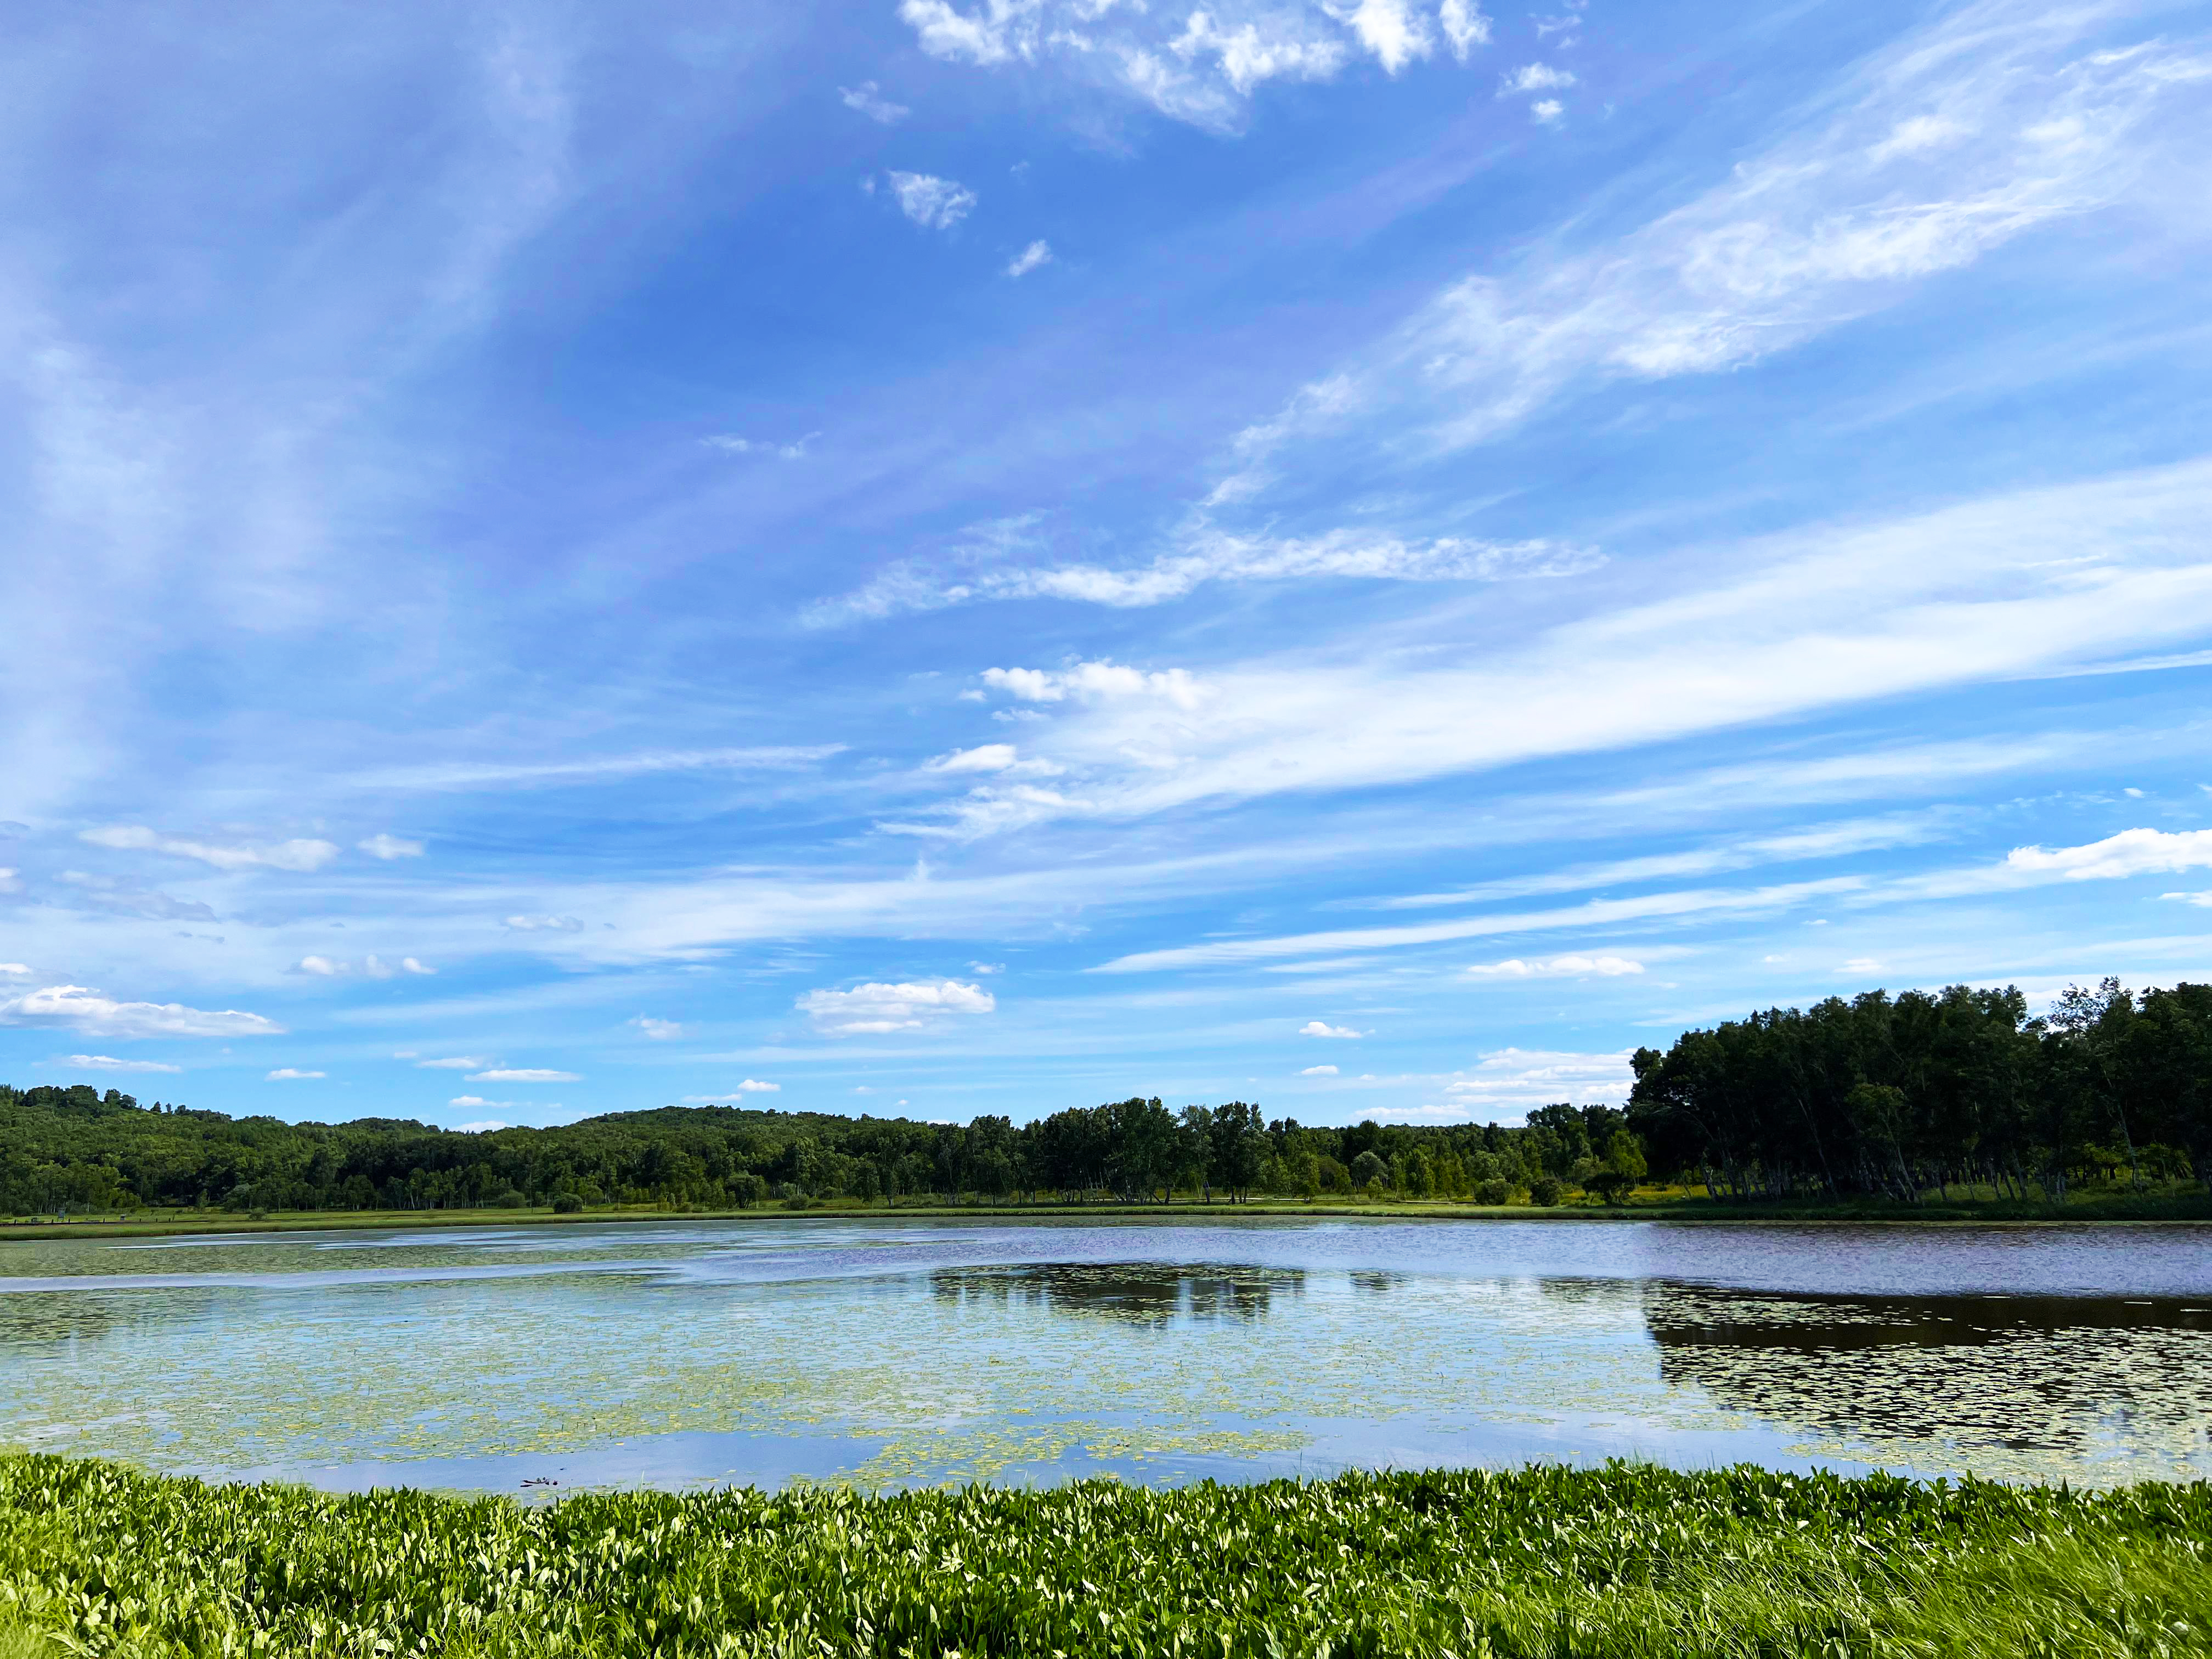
x=1662 y=1205
x=1626 y=1560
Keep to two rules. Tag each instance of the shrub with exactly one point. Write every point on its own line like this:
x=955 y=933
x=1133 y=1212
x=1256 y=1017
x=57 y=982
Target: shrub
x=1492 y=1191
x=1544 y=1191
x=566 y=1204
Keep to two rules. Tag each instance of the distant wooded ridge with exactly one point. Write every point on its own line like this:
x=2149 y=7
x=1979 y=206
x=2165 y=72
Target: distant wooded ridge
x=1874 y=1096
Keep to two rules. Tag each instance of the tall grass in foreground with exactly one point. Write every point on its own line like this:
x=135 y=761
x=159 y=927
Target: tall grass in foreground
x=1623 y=1560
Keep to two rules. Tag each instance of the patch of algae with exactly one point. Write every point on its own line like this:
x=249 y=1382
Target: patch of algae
x=1025 y=1372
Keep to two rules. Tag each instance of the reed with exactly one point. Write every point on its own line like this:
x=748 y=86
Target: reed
x=1623 y=1560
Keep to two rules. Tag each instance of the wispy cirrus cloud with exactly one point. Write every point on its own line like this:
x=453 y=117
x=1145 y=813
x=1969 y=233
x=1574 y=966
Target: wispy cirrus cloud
x=609 y=769
x=1968 y=134
x=1203 y=555
x=933 y=203
x=109 y=1063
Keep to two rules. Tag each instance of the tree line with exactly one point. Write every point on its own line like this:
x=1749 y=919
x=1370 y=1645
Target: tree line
x=78 y=1149
x=1899 y=1097
x=1882 y=1096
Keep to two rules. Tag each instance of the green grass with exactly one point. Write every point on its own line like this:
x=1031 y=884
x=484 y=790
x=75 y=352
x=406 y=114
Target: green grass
x=1623 y=1560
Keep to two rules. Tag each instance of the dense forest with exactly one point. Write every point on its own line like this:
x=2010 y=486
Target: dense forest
x=1877 y=1096
x=1900 y=1096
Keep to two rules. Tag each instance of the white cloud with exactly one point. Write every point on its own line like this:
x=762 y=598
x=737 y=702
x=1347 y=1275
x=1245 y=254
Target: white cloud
x=108 y=1063
x=2202 y=900
x=2036 y=582
x=411 y=965
x=471 y=775
x=989 y=757
x=1464 y=25
x=1860 y=965
x=481 y=1126
x=287 y=1074
x=390 y=846
x=987 y=966
x=2131 y=852
x=1205 y=554
x=1535 y=78
x=299 y=856
x=1200 y=65
x=10 y=882
x=1319 y=1071
x=322 y=966
x=933 y=203
x=524 y=1074
x=1567 y=967
x=84 y=1009
x=869 y=101
x=750 y=1086
x=543 y=925
x=875 y=1008
x=1967 y=134
x=15 y=969
x=1547 y=112
x=661 y=1030
x=1513 y=1080
x=730 y=443
x=1314 y=1028
x=1037 y=253
x=453 y=1063
x=1597 y=912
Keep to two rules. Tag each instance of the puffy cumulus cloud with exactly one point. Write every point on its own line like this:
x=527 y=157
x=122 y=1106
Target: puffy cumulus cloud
x=1201 y=65
x=15 y=969
x=1319 y=1071
x=933 y=203
x=1566 y=967
x=86 y=1009
x=543 y=925
x=299 y=856
x=750 y=1086
x=1202 y=554
x=1547 y=111
x=1317 y=1028
x=875 y=1008
x=291 y=1074
x=867 y=98
x=524 y=1074
x=109 y=1063
x=1505 y=1083
x=388 y=847
x=322 y=967
x=1094 y=682
x=661 y=1030
x=1535 y=78
x=1037 y=253
x=2131 y=852
x=1464 y=27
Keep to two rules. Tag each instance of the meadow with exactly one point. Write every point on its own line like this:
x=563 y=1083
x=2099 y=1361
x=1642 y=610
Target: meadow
x=1625 y=1559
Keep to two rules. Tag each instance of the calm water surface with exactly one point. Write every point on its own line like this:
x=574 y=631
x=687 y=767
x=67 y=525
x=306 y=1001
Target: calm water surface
x=897 y=1354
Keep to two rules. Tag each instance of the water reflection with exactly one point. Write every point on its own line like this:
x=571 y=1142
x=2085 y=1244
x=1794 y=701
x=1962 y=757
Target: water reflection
x=1146 y=1293
x=1976 y=1374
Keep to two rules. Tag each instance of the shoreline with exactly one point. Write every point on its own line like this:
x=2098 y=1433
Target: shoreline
x=1689 y=1212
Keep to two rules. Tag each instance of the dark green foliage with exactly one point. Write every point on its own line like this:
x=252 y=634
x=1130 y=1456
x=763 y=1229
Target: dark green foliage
x=1623 y=1560
x=1897 y=1098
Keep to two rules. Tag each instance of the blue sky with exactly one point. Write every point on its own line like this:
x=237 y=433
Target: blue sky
x=946 y=556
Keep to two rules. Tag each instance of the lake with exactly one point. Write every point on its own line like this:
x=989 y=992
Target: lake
x=902 y=1352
